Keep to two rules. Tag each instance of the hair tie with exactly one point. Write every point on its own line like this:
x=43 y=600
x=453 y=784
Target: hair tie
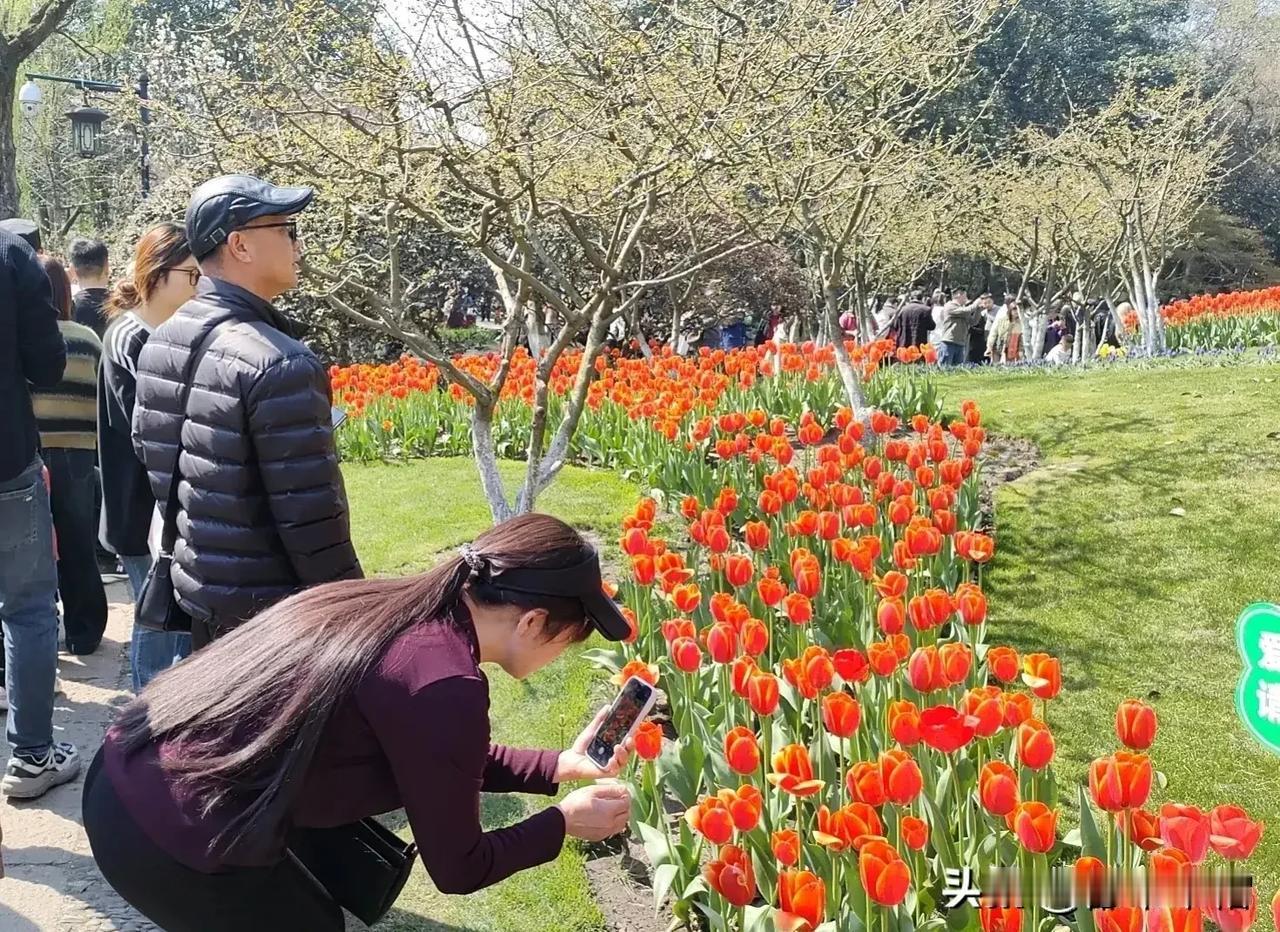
x=473 y=559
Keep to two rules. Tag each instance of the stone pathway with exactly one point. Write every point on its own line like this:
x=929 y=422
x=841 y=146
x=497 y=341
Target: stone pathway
x=51 y=883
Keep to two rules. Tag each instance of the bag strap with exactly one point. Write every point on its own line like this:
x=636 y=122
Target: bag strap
x=169 y=528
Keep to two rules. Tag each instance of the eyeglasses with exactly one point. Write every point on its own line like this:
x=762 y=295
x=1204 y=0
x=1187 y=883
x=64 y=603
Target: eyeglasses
x=193 y=275
x=290 y=226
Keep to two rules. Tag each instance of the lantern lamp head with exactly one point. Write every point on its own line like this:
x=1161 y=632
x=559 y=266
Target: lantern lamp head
x=86 y=130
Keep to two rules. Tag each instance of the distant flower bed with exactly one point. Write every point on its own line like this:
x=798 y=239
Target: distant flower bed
x=1221 y=321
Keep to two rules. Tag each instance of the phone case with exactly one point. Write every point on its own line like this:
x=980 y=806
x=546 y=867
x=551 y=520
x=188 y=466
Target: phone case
x=644 y=712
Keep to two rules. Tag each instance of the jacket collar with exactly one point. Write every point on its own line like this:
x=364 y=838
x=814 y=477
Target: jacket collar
x=233 y=297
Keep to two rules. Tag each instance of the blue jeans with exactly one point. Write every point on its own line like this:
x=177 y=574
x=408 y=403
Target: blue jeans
x=951 y=354
x=28 y=592
x=150 y=652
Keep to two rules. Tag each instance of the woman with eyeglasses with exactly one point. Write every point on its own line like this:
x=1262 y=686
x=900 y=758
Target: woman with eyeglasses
x=163 y=276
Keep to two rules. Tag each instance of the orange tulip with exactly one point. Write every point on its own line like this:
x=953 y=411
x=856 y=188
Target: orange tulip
x=1000 y=918
x=1120 y=919
x=686 y=597
x=762 y=693
x=1120 y=781
x=754 y=636
x=756 y=535
x=802 y=899
x=711 y=819
x=1035 y=824
x=741 y=750
x=1136 y=724
x=639 y=669
x=744 y=804
x=904 y=722
x=1017 y=709
x=798 y=608
x=998 y=788
x=882 y=657
x=971 y=604
x=885 y=876
x=793 y=773
x=722 y=642
x=738 y=569
x=956 y=660
x=901 y=776
x=847 y=827
x=915 y=832
x=1043 y=674
x=731 y=875
x=865 y=784
x=924 y=670
x=1035 y=744
x=986 y=704
x=841 y=714
x=786 y=846
x=1002 y=662
x=1141 y=827
x=891 y=615
x=892 y=585
x=1089 y=876
x=648 y=740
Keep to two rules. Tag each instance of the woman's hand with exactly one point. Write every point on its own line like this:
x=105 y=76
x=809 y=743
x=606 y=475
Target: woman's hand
x=594 y=813
x=574 y=763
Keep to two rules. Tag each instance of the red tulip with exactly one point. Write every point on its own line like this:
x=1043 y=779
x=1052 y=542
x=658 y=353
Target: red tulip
x=841 y=714
x=1239 y=919
x=901 y=776
x=1035 y=744
x=971 y=604
x=754 y=636
x=847 y=827
x=1120 y=919
x=722 y=642
x=793 y=773
x=741 y=750
x=1035 y=824
x=924 y=670
x=686 y=597
x=798 y=608
x=885 y=876
x=745 y=806
x=639 y=669
x=756 y=534
x=1141 y=827
x=1185 y=828
x=882 y=657
x=642 y=568
x=946 y=729
x=802 y=898
x=762 y=693
x=915 y=832
x=1232 y=833
x=743 y=669
x=731 y=876
x=851 y=665
x=771 y=589
x=1120 y=781
x=648 y=740
x=891 y=615
x=635 y=542
x=1000 y=918
x=1002 y=662
x=1089 y=876
x=998 y=788
x=1043 y=674
x=957 y=660
x=1136 y=724
x=738 y=569
x=904 y=722
x=786 y=846
x=674 y=628
x=1017 y=709
x=686 y=655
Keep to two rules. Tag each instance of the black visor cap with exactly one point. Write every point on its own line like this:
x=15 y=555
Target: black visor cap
x=582 y=582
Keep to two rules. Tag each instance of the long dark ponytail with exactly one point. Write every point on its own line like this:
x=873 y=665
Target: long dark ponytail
x=249 y=710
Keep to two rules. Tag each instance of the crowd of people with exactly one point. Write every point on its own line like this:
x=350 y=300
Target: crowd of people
x=171 y=416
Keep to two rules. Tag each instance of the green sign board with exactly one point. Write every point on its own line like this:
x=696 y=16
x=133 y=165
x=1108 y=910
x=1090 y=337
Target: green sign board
x=1258 y=694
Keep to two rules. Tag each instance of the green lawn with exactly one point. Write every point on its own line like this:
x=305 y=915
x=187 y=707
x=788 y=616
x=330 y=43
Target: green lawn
x=1092 y=566
x=403 y=516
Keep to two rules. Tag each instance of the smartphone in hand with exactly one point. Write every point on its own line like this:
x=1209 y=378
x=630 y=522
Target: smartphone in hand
x=628 y=711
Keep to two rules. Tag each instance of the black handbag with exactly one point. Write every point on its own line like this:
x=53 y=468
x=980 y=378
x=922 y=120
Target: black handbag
x=158 y=608
x=363 y=866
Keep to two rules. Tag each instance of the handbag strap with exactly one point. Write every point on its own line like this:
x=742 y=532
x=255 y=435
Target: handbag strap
x=169 y=528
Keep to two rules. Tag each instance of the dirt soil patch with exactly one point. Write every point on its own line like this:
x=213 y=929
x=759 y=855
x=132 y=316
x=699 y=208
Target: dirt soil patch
x=1004 y=459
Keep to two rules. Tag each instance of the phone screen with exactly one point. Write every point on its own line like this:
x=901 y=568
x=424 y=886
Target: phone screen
x=338 y=416
x=630 y=705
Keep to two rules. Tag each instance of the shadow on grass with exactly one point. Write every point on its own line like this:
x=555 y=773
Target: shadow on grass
x=400 y=921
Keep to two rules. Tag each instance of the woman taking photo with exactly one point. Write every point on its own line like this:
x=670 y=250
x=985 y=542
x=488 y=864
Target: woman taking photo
x=161 y=278
x=344 y=701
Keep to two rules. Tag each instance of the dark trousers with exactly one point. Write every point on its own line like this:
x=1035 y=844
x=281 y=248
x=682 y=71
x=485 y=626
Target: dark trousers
x=283 y=898
x=72 y=485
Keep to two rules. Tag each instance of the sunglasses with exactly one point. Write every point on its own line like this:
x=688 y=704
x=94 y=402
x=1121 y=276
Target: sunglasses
x=193 y=275
x=290 y=226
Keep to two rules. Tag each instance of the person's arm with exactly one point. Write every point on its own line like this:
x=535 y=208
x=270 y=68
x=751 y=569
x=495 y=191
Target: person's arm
x=290 y=423
x=41 y=348
x=437 y=741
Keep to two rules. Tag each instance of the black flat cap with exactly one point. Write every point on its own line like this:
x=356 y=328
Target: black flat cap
x=228 y=203
x=24 y=228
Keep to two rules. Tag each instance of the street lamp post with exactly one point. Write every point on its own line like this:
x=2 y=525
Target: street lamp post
x=86 y=122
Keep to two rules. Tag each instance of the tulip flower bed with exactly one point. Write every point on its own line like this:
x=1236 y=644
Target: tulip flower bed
x=842 y=733
x=1222 y=321
x=648 y=419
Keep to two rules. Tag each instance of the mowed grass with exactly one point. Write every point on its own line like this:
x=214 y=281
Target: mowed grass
x=1092 y=566
x=403 y=517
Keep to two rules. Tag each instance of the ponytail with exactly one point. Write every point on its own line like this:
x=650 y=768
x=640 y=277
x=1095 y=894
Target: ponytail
x=161 y=248
x=124 y=297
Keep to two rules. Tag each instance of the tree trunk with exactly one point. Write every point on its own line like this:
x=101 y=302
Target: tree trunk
x=9 y=192
x=536 y=328
x=487 y=462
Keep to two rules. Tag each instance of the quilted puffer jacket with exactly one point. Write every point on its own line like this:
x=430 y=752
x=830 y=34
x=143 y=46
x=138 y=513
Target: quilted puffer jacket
x=262 y=507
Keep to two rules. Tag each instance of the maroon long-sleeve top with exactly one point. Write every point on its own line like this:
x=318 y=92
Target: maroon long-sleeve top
x=414 y=734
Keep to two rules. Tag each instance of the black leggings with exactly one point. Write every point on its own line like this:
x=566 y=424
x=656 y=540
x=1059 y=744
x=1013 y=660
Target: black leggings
x=283 y=898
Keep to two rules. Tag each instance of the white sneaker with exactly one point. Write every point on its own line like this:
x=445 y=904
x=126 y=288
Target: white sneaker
x=28 y=777
x=4 y=700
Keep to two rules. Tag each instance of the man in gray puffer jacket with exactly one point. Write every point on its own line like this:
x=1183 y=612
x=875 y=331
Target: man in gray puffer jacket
x=262 y=507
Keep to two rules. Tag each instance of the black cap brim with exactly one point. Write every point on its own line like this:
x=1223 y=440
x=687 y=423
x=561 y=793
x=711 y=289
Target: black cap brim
x=582 y=582
x=606 y=616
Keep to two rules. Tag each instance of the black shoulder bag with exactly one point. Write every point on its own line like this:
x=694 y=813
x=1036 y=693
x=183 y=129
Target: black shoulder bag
x=363 y=866
x=158 y=608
